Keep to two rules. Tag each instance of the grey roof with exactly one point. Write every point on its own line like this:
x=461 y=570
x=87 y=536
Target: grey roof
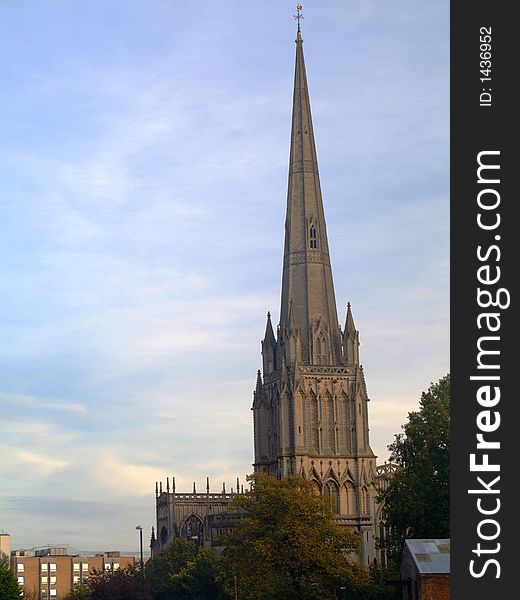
x=430 y=556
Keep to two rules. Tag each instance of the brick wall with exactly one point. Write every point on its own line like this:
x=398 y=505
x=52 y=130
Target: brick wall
x=435 y=587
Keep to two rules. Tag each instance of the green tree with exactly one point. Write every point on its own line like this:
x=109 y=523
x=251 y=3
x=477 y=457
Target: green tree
x=9 y=588
x=123 y=584
x=172 y=560
x=417 y=500
x=201 y=579
x=288 y=545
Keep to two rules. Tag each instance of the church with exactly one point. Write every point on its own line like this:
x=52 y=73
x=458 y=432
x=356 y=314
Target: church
x=310 y=404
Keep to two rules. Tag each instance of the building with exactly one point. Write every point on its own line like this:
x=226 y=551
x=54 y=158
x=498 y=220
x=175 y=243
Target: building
x=385 y=472
x=52 y=572
x=310 y=405
x=425 y=570
x=5 y=545
x=197 y=516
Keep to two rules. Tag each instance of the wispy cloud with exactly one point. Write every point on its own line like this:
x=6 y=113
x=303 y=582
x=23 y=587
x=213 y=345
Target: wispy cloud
x=46 y=463
x=39 y=403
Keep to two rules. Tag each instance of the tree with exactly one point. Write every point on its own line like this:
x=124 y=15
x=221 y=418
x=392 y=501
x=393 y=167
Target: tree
x=170 y=561
x=123 y=584
x=287 y=544
x=200 y=579
x=183 y=572
x=79 y=592
x=417 y=500
x=9 y=588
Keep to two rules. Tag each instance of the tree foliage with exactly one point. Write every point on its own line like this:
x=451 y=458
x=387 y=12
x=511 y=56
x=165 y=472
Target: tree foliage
x=200 y=579
x=161 y=571
x=287 y=544
x=9 y=588
x=123 y=584
x=417 y=500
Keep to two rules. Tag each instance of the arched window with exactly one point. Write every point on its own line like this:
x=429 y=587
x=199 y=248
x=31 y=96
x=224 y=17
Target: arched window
x=350 y=498
x=320 y=346
x=331 y=491
x=312 y=237
x=193 y=529
x=323 y=343
x=316 y=487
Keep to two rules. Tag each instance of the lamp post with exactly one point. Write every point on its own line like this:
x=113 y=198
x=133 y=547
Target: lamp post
x=140 y=529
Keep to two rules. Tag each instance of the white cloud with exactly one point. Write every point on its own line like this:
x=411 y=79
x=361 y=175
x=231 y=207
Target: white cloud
x=45 y=465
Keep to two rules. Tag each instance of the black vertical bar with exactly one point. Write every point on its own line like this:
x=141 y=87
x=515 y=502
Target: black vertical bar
x=484 y=121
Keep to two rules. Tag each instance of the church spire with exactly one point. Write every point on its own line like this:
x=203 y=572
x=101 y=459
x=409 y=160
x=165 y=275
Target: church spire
x=307 y=284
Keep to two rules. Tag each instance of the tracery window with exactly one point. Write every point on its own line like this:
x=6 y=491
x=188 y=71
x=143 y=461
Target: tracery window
x=331 y=491
x=193 y=529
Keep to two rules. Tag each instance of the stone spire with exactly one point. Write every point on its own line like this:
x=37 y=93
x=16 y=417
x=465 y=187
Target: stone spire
x=307 y=287
x=268 y=348
x=351 y=340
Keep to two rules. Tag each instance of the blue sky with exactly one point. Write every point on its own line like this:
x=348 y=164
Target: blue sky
x=143 y=159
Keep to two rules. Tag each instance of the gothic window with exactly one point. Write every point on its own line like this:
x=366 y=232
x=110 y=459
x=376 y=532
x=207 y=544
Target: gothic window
x=323 y=346
x=331 y=492
x=320 y=345
x=314 y=424
x=327 y=422
x=193 y=529
x=343 y=422
x=316 y=487
x=312 y=237
x=350 y=498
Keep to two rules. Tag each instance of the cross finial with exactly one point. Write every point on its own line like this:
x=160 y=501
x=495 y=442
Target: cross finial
x=298 y=16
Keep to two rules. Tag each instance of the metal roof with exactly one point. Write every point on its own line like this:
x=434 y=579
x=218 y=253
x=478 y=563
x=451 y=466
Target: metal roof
x=430 y=556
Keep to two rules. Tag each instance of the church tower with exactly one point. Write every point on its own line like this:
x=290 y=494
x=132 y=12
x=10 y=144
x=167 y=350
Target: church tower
x=310 y=402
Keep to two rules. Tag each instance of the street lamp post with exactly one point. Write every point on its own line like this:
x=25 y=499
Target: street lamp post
x=140 y=529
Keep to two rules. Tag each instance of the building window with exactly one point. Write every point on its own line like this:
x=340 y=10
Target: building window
x=52 y=566
x=76 y=579
x=84 y=566
x=54 y=593
x=53 y=579
x=44 y=566
x=44 y=579
x=331 y=490
x=116 y=566
x=20 y=567
x=312 y=237
x=20 y=579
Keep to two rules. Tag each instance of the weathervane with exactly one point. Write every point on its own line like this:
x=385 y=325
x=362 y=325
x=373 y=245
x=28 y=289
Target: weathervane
x=298 y=16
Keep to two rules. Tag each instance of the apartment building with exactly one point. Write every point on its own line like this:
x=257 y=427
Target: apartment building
x=51 y=572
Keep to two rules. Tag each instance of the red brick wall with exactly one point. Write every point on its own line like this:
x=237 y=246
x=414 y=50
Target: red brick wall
x=435 y=587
